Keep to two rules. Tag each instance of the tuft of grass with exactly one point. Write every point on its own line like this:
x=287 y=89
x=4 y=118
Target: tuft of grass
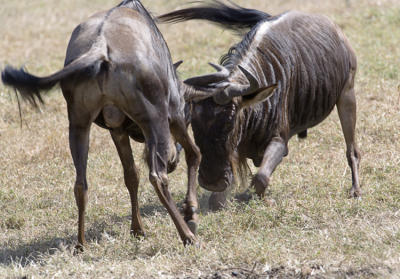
x=311 y=231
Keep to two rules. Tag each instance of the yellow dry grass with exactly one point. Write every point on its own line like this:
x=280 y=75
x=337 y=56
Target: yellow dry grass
x=313 y=230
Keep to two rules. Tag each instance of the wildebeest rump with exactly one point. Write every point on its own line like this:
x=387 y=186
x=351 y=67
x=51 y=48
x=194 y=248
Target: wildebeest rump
x=118 y=73
x=311 y=63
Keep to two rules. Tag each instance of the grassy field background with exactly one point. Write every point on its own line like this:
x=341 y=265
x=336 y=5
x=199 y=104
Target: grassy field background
x=313 y=230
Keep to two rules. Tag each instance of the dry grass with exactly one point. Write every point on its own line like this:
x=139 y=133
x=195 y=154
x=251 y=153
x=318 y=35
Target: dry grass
x=313 y=230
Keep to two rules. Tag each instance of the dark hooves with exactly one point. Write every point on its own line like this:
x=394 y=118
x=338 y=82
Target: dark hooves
x=356 y=194
x=191 y=241
x=78 y=249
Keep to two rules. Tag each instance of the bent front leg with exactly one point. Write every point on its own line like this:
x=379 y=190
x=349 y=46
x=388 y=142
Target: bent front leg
x=192 y=154
x=273 y=155
x=157 y=140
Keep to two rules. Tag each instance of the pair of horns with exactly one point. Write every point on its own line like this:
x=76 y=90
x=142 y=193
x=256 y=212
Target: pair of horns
x=225 y=91
x=205 y=80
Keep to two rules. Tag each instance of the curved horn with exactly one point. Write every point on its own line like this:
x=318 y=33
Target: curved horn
x=253 y=82
x=236 y=90
x=177 y=64
x=193 y=94
x=205 y=80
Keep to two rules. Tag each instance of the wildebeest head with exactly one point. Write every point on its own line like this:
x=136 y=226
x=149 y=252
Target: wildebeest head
x=215 y=122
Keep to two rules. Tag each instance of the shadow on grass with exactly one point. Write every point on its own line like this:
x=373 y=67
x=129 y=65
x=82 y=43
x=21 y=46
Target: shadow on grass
x=36 y=252
x=33 y=252
x=152 y=209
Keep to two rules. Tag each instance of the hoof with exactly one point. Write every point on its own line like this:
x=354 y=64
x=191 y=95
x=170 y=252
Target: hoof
x=355 y=193
x=78 y=249
x=260 y=183
x=191 y=240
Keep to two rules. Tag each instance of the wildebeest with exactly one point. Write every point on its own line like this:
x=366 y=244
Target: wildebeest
x=118 y=73
x=309 y=61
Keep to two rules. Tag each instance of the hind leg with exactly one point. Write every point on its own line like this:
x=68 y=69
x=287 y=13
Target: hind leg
x=121 y=141
x=346 y=107
x=79 y=145
x=81 y=115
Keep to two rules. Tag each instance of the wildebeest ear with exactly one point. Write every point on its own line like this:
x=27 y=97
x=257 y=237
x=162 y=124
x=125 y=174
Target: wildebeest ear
x=177 y=64
x=259 y=96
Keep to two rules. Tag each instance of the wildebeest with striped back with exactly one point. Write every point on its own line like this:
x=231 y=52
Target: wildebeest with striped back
x=285 y=76
x=118 y=73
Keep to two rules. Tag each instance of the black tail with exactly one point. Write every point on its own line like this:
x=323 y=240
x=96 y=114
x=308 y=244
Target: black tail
x=30 y=86
x=232 y=17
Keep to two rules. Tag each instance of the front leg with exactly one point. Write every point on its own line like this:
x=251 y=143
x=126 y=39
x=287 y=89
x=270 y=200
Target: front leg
x=273 y=155
x=158 y=138
x=192 y=153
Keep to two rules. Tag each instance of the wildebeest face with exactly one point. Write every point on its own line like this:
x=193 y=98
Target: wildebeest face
x=213 y=126
x=217 y=102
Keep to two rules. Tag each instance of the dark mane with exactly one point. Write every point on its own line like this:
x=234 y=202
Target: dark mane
x=233 y=17
x=236 y=53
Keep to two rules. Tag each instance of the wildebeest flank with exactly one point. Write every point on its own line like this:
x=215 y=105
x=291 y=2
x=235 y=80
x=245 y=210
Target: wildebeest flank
x=313 y=65
x=118 y=73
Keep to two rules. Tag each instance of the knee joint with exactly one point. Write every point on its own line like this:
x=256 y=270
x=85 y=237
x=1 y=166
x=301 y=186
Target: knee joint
x=158 y=178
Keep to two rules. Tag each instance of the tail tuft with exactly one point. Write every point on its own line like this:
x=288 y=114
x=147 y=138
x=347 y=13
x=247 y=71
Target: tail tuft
x=27 y=85
x=30 y=87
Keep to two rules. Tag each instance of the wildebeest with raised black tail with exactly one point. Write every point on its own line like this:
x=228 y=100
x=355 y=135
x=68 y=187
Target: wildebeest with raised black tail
x=118 y=73
x=309 y=61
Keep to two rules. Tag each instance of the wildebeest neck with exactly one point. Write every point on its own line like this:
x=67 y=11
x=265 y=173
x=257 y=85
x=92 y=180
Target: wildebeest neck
x=251 y=40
